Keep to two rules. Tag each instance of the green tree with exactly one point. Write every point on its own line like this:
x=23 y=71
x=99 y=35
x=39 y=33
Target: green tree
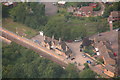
x=31 y=14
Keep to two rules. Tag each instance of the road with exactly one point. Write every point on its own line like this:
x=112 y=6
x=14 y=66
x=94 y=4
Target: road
x=101 y=11
x=37 y=48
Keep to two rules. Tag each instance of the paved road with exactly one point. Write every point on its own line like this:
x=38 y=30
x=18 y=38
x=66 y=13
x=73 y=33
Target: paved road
x=50 y=9
x=37 y=48
x=100 y=13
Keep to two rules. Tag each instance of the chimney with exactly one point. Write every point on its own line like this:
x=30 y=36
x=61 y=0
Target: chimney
x=59 y=40
x=66 y=48
x=111 y=25
x=44 y=37
x=52 y=37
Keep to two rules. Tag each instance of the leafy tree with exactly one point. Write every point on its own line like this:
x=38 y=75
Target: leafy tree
x=31 y=14
x=19 y=62
x=108 y=8
x=5 y=11
x=87 y=73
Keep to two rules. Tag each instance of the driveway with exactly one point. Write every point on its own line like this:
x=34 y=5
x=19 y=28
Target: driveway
x=100 y=12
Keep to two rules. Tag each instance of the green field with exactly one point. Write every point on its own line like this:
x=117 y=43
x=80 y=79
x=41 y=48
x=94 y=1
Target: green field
x=18 y=28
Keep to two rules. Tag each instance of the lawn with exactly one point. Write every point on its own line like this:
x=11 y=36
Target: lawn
x=18 y=28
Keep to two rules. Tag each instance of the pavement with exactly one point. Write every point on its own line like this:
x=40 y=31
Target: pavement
x=75 y=47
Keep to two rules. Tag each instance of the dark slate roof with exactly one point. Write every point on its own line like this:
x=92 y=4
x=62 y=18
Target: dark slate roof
x=86 y=42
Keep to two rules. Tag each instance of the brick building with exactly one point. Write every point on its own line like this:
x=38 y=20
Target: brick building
x=59 y=47
x=114 y=16
x=107 y=47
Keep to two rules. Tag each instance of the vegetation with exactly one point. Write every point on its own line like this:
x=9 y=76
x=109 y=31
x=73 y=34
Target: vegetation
x=87 y=73
x=70 y=27
x=111 y=7
x=116 y=24
x=89 y=50
x=97 y=8
x=5 y=11
x=19 y=62
x=21 y=29
x=30 y=14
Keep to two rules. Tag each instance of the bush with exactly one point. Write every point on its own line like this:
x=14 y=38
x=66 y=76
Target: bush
x=97 y=8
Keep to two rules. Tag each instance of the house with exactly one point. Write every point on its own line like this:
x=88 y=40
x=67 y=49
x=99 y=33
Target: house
x=84 y=11
x=107 y=45
x=114 y=16
x=71 y=9
x=9 y=3
x=59 y=47
x=94 y=5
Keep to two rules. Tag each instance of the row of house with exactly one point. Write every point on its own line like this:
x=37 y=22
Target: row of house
x=107 y=49
x=9 y=3
x=59 y=47
x=83 y=11
x=114 y=16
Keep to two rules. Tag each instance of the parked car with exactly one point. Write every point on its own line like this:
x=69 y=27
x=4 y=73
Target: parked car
x=78 y=40
x=80 y=50
x=81 y=46
x=72 y=58
x=89 y=62
x=118 y=29
x=84 y=55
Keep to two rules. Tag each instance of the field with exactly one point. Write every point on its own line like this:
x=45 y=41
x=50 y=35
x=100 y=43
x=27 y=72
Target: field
x=18 y=28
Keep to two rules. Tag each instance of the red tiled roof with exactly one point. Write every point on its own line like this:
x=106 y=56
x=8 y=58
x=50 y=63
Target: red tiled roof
x=86 y=9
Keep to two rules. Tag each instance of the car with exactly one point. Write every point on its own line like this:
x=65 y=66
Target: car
x=81 y=46
x=54 y=3
x=72 y=58
x=80 y=50
x=118 y=29
x=84 y=56
x=88 y=62
x=78 y=40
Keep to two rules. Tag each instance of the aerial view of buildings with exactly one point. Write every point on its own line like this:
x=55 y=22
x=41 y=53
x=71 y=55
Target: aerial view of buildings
x=60 y=39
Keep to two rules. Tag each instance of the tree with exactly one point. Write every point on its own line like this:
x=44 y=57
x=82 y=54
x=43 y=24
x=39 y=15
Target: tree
x=5 y=11
x=87 y=73
x=31 y=14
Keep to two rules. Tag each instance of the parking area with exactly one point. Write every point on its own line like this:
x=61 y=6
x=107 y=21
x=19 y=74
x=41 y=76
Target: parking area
x=80 y=58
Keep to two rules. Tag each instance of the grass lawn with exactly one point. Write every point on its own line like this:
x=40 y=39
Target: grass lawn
x=18 y=28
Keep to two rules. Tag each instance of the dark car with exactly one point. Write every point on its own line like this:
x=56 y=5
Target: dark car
x=69 y=41
x=81 y=46
x=80 y=50
x=89 y=62
x=72 y=58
